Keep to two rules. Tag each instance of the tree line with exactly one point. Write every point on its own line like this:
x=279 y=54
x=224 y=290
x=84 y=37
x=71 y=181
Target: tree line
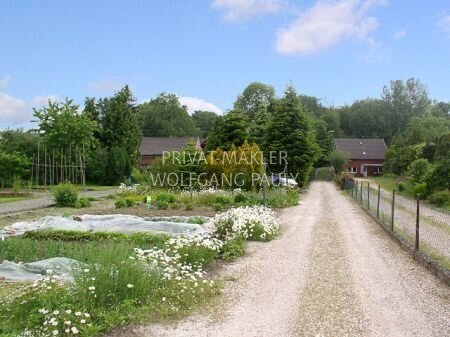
x=110 y=128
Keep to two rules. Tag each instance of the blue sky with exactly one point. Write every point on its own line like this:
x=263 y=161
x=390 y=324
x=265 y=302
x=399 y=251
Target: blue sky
x=208 y=51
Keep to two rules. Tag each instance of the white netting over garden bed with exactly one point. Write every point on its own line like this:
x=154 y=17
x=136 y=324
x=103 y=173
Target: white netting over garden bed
x=118 y=223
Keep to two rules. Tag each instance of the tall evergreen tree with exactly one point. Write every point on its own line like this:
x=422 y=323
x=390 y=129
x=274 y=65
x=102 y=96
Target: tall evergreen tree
x=290 y=131
x=227 y=131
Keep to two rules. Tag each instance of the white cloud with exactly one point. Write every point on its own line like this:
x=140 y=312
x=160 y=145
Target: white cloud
x=400 y=34
x=242 y=10
x=193 y=104
x=40 y=101
x=106 y=86
x=326 y=24
x=444 y=25
x=5 y=81
x=377 y=52
x=13 y=110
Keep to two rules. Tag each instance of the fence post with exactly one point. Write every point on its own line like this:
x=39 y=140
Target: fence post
x=361 y=192
x=417 y=222
x=356 y=190
x=393 y=209
x=368 y=196
x=378 y=202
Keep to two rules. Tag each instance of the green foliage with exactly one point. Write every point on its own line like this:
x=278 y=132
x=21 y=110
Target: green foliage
x=165 y=197
x=420 y=189
x=442 y=151
x=97 y=167
x=20 y=142
x=61 y=125
x=82 y=202
x=324 y=174
x=338 y=160
x=204 y=121
x=240 y=197
x=232 y=249
x=426 y=129
x=218 y=207
x=290 y=131
x=254 y=97
x=227 y=131
x=189 y=207
x=120 y=203
x=65 y=195
x=164 y=116
x=401 y=186
x=222 y=199
x=439 y=178
x=118 y=165
x=12 y=165
x=440 y=199
x=120 y=123
x=418 y=170
x=162 y=204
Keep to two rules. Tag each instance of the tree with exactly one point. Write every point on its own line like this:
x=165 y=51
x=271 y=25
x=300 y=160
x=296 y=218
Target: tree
x=204 y=121
x=62 y=125
x=338 y=160
x=255 y=96
x=324 y=139
x=405 y=101
x=227 y=131
x=120 y=123
x=290 y=131
x=118 y=165
x=164 y=116
x=19 y=141
x=12 y=165
x=258 y=126
x=426 y=129
x=442 y=151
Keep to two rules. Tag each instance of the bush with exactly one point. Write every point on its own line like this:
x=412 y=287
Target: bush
x=240 y=197
x=232 y=249
x=401 y=186
x=441 y=198
x=189 y=207
x=65 y=195
x=222 y=199
x=165 y=197
x=420 y=189
x=162 y=205
x=82 y=203
x=130 y=202
x=418 y=170
x=121 y=203
x=218 y=207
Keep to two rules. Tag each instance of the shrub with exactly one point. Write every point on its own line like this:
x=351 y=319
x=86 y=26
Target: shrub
x=240 y=197
x=65 y=195
x=218 y=207
x=233 y=249
x=401 y=186
x=165 y=197
x=162 y=205
x=441 y=198
x=175 y=205
x=82 y=202
x=189 y=207
x=121 y=203
x=420 y=189
x=418 y=170
x=222 y=199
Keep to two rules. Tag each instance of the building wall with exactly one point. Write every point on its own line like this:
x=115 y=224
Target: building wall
x=145 y=161
x=371 y=171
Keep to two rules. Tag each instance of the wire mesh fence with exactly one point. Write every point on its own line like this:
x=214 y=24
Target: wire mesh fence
x=424 y=227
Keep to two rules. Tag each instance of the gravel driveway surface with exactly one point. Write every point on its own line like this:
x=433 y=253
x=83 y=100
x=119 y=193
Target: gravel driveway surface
x=332 y=272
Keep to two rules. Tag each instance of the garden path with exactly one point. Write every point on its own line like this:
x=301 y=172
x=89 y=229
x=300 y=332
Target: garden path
x=45 y=201
x=332 y=272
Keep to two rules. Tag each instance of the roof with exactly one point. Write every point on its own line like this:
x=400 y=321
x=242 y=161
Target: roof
x=155 y=146
x=361 y=148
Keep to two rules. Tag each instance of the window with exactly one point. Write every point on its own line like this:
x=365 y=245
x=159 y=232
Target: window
x=379 y=169
x=352 y=170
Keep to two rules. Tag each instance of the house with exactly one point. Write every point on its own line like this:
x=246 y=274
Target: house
x=152 y=148
x=366 y=155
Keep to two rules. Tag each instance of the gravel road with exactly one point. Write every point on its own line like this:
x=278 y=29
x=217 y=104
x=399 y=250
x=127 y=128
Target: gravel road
x=332 y=272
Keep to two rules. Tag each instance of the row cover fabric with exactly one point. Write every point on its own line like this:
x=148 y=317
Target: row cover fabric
x=16 y=272
x=119 y=223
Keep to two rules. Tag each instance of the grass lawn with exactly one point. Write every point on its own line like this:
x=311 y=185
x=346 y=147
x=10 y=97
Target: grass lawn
x=391 y=183
x=11 y=199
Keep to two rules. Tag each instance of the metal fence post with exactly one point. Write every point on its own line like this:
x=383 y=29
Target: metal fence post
x=356 y=190
x=378 y=202
x=417 y=222
x=360 y=194
x=393 y=208
x=368 y=196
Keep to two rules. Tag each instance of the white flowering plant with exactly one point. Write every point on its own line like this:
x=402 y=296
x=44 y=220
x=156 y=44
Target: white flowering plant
x=252 y=223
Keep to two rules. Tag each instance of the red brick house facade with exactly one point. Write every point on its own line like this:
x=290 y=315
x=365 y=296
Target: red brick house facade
x=366 y=155
x=152 y=148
